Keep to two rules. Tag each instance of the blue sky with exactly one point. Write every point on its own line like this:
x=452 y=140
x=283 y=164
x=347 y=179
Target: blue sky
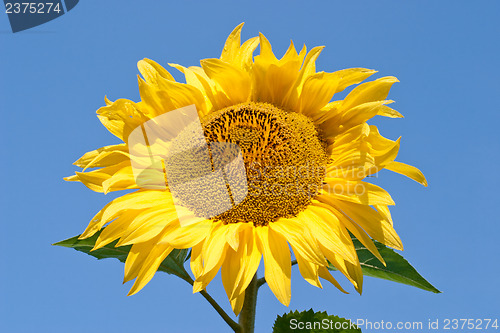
x=54 y=77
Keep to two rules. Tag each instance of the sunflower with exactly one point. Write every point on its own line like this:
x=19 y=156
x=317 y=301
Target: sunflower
x=305 y=159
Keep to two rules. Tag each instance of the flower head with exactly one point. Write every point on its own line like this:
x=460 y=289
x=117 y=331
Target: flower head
x=303 y=156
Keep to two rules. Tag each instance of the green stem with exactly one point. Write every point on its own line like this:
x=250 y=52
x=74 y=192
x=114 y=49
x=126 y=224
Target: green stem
x=247 y=314
x=234 y=325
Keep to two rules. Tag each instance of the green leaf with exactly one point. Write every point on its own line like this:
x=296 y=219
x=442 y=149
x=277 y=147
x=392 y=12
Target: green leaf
x=313 y=322
x=397 y=269
x=173 y=264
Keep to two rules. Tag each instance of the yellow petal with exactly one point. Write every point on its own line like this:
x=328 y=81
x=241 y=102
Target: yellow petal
x=233 y=233
x=385 y=212
x=213 y=254
x=95 y=224
x=135 y=259
x=354 y=164
x=356 y=230
x=155 y=101
x=116 y=229
x=232 y=45
x=386 y=111
x=317 y=91
x=319 y=88
x=136 y=200
x=279 y=79
x=360 y=113
x=112 y=178
x=350 y=76
x=153 y=72
x=383 y=158
x=105 y=156
x=378 y=142
x=309 y=66
x=149 y=227
x=107 y=101
x=266 y=51
x=196 y=260
x=240 y=266
x=122 y=179
x=300 y=238
x=233 y=81
x=343 y=119
x=246 y=53
x=217 y=96
x=122 y=117
x=348 y=140
x=201 y=83
x=369 y=92
x=251 y=256
x=150 y=266
x=308 y=270
x=329 y=232
x=182 y=95
x=357 y=192
x=372 y=222
x=237 y=303
x=325 y=274
x=215 y=245
x=207 y=275
x=273 y=78
x=183 y=237
x=277 y=263
x=407 y=170
x=352 y=271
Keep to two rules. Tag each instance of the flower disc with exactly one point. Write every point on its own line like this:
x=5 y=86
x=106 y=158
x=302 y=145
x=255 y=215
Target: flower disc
x=284 y=156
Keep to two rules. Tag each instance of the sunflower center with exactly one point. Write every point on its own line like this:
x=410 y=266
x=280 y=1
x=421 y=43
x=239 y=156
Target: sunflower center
x=284 y=160
x=253 y=163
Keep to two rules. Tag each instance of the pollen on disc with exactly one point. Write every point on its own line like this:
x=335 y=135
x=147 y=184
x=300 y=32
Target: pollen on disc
x=284 y=160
